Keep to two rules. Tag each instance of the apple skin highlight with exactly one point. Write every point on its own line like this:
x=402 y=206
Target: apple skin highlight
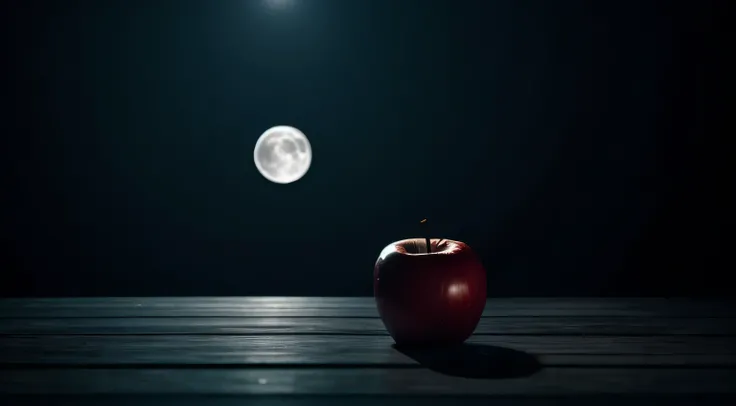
x=429 y=298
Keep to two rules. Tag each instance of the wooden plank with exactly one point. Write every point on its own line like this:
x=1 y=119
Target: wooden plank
x=349 y=307
x=547 y=382
x=362 y=400
x=353 y=350
x=591 y=326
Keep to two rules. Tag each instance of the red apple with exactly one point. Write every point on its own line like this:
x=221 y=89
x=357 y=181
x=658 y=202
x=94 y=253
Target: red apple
x=434 y=297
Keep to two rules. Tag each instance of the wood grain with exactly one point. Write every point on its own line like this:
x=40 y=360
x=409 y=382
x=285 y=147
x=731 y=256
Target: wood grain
x=548 y=382
x=543 y=326
x=363 y=400
x=349 y=307
x=338 y=346
x=349 y=350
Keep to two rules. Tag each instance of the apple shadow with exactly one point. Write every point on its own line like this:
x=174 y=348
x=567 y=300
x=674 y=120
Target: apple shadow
x=473 y=360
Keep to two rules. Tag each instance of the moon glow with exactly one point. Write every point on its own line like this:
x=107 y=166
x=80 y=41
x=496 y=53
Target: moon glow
x=282 y=154
x=280 y=5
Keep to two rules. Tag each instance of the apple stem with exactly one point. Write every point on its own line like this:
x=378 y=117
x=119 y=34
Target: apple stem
x=426 y=237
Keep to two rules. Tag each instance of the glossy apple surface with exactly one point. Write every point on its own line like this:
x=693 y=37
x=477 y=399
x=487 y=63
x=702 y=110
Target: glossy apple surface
x=429 y=298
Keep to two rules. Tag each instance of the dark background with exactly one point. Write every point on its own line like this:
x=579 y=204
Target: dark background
x=575 y=145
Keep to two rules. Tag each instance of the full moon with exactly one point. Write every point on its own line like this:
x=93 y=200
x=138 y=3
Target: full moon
x=283 y=154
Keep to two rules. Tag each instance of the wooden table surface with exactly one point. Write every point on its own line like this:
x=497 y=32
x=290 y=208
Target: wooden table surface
x=298 y=350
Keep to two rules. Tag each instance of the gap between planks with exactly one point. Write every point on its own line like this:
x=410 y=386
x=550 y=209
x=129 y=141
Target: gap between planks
x=351 y=307
x=543 y=326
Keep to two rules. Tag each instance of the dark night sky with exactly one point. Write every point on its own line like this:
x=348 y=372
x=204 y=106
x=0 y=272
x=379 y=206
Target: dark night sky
x=573 y=144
